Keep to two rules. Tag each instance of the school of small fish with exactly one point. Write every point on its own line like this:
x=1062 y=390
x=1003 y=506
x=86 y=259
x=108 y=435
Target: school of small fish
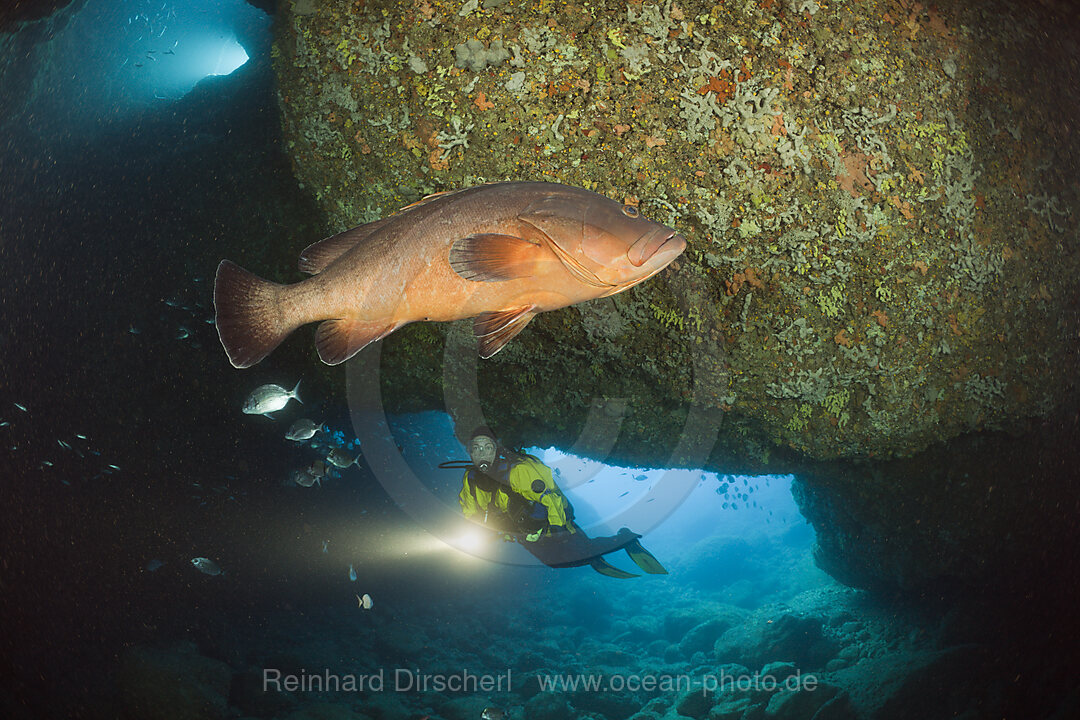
x=733 y=495
x=69 y=458
x=335 y=453
x=188 y=321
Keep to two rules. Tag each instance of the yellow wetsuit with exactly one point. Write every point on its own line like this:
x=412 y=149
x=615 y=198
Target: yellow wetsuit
x=529 y=479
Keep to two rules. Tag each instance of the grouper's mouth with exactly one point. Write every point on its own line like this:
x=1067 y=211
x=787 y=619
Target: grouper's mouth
x=668 y=245
x=662 y=240
x=675 y=244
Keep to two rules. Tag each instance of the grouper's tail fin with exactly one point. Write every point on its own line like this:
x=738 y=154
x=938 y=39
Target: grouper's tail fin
x=248 y=320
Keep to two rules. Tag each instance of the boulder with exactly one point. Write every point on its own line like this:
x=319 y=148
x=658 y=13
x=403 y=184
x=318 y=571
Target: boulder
x=611 y=656
x=548 y=706
x=730 y=708
x=791 y=638
x=606 y=704
x=679 y=622
x=780 y=671
x=922 y=683
x=695 y=704
x=702 y=638
x=801 y=704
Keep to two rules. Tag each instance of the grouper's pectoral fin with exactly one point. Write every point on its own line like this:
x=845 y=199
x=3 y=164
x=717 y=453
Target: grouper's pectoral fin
x=338 y=340
x=494 y=329
x=492 y=257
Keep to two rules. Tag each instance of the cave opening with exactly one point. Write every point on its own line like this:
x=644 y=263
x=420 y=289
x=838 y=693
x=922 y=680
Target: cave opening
x=739 y=537
x=114 y=60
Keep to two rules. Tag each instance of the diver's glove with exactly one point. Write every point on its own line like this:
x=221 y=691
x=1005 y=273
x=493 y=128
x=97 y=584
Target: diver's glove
x=535 y=536
x=507 y=537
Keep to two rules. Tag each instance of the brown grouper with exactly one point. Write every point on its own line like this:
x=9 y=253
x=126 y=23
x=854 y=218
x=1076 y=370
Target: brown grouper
x=500 y=253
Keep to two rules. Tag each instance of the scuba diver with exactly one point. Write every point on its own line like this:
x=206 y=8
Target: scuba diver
x=514 y=494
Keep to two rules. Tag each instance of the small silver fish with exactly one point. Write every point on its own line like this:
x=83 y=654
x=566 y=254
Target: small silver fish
x=364 y=601
x=270 y=398
x=352 y=574
x=326 y=546
x=21 y=407
x=207 y=566
x=340 y=459
x=303 y=478
x=492 y=713
x=182 y=333
x=302 y=429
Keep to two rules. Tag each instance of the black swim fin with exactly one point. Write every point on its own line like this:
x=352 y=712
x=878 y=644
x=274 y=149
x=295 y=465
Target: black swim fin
x=603 y=567
x=644 y=559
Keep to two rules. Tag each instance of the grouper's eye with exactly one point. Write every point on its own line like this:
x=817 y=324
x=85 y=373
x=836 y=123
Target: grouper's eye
x=629 y=211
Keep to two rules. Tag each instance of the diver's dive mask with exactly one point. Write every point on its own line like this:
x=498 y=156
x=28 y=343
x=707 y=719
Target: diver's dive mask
x=482 y=451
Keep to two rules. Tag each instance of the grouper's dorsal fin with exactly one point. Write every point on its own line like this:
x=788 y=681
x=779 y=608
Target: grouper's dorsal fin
x=428 y=198
x=318 y=256
x=494 y=257
x=443 y=194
